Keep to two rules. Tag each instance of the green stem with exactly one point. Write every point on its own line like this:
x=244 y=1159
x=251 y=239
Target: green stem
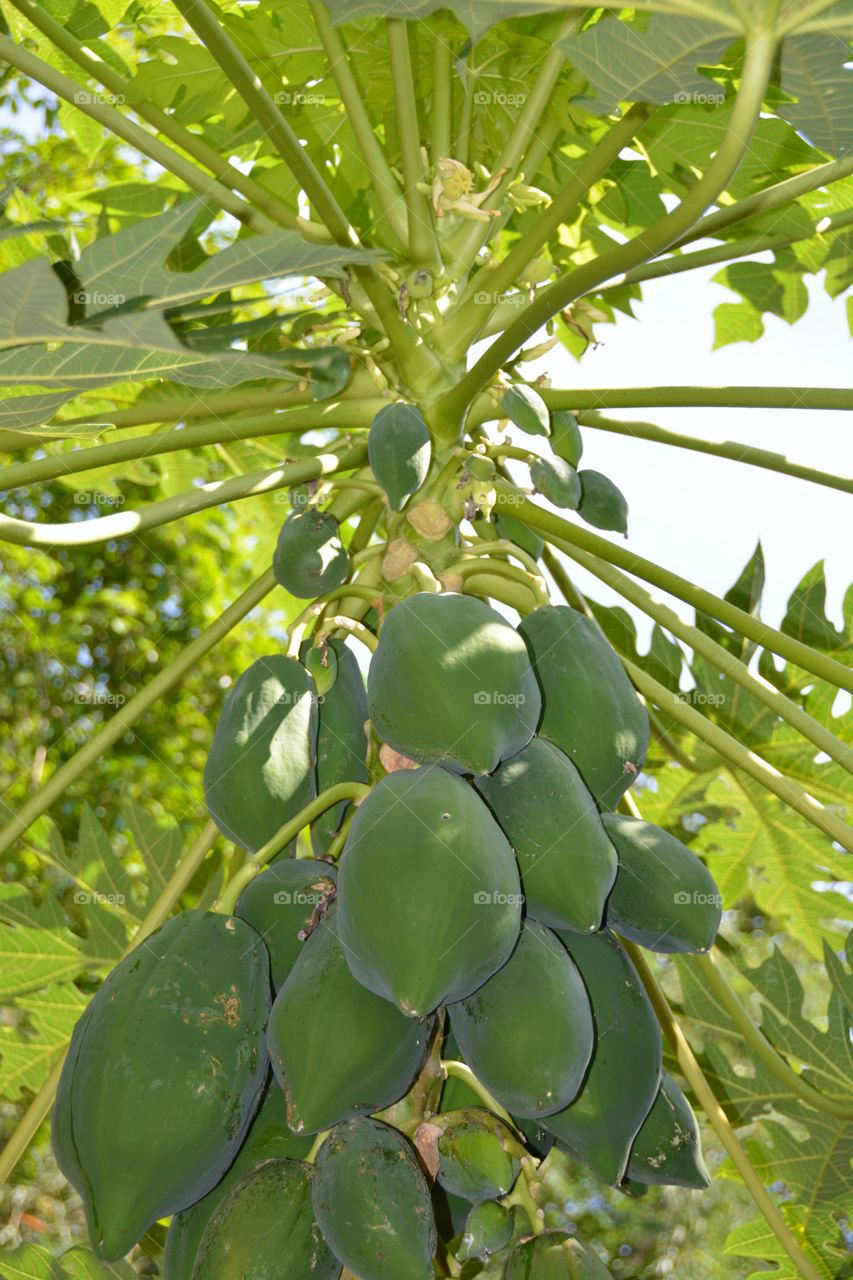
x=741 y=757
x=701 y=397
x=146 y=143
x=652 y=241
x=726 y=662
x=466 y=320
x=358 y=629
x=481 y=563
x=259 y=197
x=154 y=514
x=37 y=1111
x=441 y=110
x=503 y=547
x=718 y=984
x=461 y=1071
x=345 y=416
x=316 y=1145
x=732 y=449
x=384 y=183
x=498 y=587
x=287 y=832
x=560 y=531
x=707 y=1099
x=126 y=716
x=423 y=248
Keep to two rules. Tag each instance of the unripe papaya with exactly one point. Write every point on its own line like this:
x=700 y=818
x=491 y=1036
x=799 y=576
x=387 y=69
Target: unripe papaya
x=567 y=862
x=527 y=1033
x=557 y=481
x=429 y=900
x=341 y=741
x=590 y=709
x=269 y=1136
x=373 y=1203
x=526 y=409
x=664 y=897
x=309 y=557
x=476 y=1159
x=451 y=684
x=602 y=504
x=622 y=1082
x=338 y=1049
x=279 y=904
x=260 y=771
x=399 y=450
x=668 y=1150
x=566 y=439
x=163 y=1075
x=554 y=1255
x=265 y=1226
x=322 y=662
x=488 y=1229
x=514 y=531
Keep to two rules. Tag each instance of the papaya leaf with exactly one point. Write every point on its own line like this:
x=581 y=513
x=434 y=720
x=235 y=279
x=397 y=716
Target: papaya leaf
x=823 y=1245
x=30 y=1262
x=160 y=845
x=81 y=1264
x=816 y=71
x=30 y=413
x=36 y=945
x=36 y=1039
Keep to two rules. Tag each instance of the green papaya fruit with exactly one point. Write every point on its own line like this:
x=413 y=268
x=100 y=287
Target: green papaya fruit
x=602 y=505
x=515 y=531
x=668 y=1150
x=526 y=409
x=536 y=1136
x=163 y=1075
x=338 y=1049
x=566 y=440
x=620 y=1086
x=261 y=768
x=483 y=703
x=557 y=481
x=664 y=897
x=590 y=709
x=527 y=1033
x=373 y=1203
x=269 y=1136
x=309 y=558
x=279 y=904
x=554 y=1255
x=476 y=1156
x=429 y=900
x=488 y=1229
x=322 y=662
x=341 y=742
x=399 y=449
x=265 y=1226
x=567 y=862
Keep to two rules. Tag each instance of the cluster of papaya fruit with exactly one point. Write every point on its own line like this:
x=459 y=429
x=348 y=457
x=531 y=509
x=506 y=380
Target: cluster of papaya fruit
x=273 y=1079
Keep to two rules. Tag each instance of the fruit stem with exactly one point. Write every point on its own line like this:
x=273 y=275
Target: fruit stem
x=503 y=547
x=461 y=1071
x=289 y=831
x=358 y=629
x=316 y=1145
x=477 y=563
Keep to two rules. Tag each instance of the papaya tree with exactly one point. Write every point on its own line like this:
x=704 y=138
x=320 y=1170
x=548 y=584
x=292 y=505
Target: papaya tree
x=466 y=912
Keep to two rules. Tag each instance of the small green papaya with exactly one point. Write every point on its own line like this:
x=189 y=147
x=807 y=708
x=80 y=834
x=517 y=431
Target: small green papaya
x=668 y=1150
x=664 y=897
x=515 y=531
x=488 y=1229
x=590 y=709
x=527 y=1033
x=526 y=409
x=567 y=863
x=429 y=900
x=373 y=1203
x=341 y=741
x=269 y=1136
x=309 y=557
x=554 y=1255
x=265 y=1226
x=602 y=505
x=566 y=439
x=322 y=662
x=399 y=448
x=338 y=1049
x=260 y=770
x=620 y=1086
x=279 y=904
x=557 y=481
x=451 y=683
x=163 y=1075
x=476 y=1156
